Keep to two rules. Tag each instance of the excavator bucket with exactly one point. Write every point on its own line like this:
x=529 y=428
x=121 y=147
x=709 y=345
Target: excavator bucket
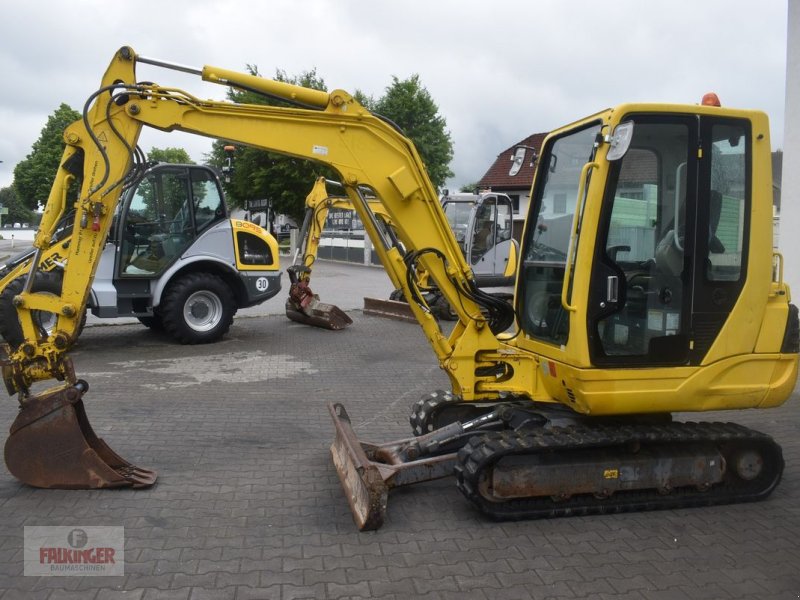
x=318 y=314
x=52 y=445
x=304 y=307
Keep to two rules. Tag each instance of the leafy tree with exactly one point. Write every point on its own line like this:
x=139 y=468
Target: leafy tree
x=260 y=174
x=286 y=181
x=169 y=155
x=17 y=212
x=408 y=104
x=33 y=177
x=469 y=188
x=367 y=102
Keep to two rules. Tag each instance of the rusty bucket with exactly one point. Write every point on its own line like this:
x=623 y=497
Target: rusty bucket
x=52 y=445
x=303 y=306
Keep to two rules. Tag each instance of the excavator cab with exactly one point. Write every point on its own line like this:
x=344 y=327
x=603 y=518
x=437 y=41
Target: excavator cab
x=670 y=245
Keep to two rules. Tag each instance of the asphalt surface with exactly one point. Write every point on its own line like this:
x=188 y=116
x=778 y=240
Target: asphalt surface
x=248 y=505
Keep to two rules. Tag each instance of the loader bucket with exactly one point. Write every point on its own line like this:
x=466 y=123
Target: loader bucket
x=303 y=306
x=363 y=485
x=52 y=445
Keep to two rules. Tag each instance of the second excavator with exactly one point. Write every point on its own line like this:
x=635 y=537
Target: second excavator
x=647 y=285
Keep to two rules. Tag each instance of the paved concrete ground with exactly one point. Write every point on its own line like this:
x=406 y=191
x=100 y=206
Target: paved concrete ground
x=248 y=505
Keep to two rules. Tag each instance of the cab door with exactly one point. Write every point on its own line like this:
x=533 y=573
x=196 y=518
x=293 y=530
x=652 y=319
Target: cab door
x=663 y=281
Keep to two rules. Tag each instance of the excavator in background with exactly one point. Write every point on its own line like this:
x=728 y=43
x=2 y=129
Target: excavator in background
x=174 y=259
x=647 y=285
x=489 y=234
x=302 y=305
x=482 y=224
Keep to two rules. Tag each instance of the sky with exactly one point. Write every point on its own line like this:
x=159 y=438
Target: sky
x=498 y=70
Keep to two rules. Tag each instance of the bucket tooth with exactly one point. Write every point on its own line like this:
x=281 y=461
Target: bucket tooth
x=52 y=445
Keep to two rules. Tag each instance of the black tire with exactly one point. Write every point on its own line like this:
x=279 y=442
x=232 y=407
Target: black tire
x=197 y=308
x=155 y=323
x=10 y=328
x=441 y=308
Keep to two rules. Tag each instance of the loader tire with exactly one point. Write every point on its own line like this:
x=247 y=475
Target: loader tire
x=10 y=328
x=197 y=308
x=155 y=323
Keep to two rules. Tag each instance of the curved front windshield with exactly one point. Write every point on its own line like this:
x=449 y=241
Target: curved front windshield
x=547 y=242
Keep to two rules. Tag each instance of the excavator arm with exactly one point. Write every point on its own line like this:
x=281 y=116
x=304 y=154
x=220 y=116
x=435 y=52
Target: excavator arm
x=303 y=306
x=331 y=128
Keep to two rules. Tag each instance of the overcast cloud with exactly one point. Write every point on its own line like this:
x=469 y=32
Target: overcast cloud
x=498 y=70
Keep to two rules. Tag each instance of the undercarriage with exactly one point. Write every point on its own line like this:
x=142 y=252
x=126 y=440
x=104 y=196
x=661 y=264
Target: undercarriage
x=516 y=459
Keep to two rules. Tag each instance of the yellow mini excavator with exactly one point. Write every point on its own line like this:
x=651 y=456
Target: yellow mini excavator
x=646 y=285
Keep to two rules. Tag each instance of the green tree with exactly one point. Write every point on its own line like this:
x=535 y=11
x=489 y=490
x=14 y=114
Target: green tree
x=367 y=102
x=33 y=177
x=258 y=174
x=17 y=212
x=286 y=181
x=410 y=106
x=469 y=188
x=169 y=155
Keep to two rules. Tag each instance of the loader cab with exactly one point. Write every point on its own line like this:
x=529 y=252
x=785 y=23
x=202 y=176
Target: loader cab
x=668 y=220
x=163 y=215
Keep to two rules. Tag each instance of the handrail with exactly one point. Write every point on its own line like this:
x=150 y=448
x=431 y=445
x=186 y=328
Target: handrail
x=676 y=219
x=573 y=238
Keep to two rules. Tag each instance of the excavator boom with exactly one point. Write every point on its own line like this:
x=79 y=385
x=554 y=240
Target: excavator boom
x=101 y=151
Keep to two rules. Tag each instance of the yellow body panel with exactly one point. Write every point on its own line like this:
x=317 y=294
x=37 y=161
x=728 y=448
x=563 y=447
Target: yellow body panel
x=238 y=225
x=734 y=383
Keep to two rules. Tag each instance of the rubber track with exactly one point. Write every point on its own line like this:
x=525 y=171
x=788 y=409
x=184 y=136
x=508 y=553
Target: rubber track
x=424 y=410
x=482 y=452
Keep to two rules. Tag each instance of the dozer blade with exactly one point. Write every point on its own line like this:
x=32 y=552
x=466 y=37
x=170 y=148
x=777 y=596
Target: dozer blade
x=368 y=471
x=364 y=487
x=52 y=445
x=318 y=314
x=391 y=309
